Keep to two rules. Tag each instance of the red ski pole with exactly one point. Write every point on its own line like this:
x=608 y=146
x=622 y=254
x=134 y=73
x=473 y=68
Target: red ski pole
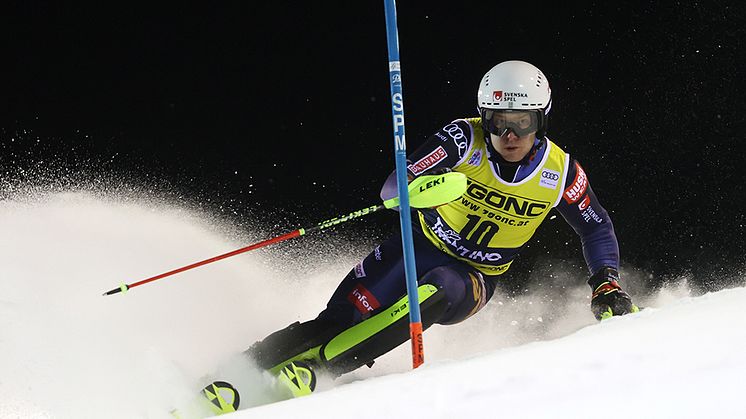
x=125 y=287
x=424 y=191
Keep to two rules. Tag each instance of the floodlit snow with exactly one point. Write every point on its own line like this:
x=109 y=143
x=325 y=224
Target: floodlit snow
x=68 y=352
x=684 y=360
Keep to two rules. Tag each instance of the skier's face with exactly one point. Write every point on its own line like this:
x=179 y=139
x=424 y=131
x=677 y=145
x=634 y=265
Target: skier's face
x=512 y=147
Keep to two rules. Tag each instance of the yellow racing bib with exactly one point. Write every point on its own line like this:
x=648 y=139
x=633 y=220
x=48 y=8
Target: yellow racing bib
x=489 y=224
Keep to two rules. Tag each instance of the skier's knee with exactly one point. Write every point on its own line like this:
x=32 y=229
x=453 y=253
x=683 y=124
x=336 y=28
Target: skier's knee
x=464 y=290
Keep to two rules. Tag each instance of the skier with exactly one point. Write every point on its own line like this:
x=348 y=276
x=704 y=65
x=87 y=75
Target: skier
x=516 y=175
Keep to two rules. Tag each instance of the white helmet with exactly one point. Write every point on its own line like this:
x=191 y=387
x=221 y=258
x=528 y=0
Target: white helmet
x=515 y=86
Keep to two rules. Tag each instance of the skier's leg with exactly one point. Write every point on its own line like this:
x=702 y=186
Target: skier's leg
x=371 y=286
x=459 y=291
x=296 y=339
x=465 y=287
x=367 y=315
x=362 y=343
x=449 y=294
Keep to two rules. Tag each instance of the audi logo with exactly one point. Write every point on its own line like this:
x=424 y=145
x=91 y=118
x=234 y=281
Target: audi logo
x=550 y=175
x=454 y=131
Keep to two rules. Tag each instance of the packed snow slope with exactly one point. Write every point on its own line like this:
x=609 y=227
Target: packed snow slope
x=684 y=360
x=66 y=351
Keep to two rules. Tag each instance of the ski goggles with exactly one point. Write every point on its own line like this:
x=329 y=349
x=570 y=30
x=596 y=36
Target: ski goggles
x=499 y=121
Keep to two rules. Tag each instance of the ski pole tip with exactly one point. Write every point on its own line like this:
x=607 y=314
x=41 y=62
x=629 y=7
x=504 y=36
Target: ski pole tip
x=123 y=288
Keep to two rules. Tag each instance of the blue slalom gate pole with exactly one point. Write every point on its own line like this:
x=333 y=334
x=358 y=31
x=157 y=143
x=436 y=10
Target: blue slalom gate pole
x=400 y=154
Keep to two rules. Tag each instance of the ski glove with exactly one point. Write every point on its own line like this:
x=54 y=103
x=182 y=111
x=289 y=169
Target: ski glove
x=608 y=298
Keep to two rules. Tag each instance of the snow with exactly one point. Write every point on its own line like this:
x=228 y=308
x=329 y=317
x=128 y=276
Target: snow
x=68 y=352
x=682 y=360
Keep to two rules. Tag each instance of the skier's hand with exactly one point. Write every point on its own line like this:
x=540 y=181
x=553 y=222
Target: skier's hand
x=608 y=297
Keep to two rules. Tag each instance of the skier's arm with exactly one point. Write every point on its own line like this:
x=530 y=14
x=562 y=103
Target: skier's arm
x=581 y=209
x=442 y=150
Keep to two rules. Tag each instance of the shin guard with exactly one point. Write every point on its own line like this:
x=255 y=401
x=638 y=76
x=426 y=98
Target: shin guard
x=323 y=345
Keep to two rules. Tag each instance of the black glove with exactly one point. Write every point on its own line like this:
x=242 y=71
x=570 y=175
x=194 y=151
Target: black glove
x=608 y=298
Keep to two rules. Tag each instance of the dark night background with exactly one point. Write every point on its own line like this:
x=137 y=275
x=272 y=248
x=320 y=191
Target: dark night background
x=281 y=111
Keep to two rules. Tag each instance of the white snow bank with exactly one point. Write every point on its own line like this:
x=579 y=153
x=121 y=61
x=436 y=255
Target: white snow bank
x=683 y=360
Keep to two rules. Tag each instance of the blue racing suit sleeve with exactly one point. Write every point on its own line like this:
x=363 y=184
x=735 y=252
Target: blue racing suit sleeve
x=581 y=209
